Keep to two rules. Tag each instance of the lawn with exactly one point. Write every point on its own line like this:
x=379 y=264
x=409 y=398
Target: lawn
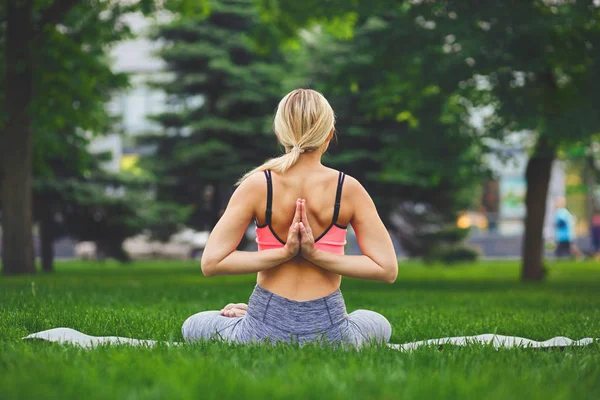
x=151 y=300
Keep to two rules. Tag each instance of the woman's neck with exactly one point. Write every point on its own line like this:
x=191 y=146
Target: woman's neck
x=308 y=160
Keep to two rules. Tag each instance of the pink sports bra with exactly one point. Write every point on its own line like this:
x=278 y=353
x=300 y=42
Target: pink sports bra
x=332 y=240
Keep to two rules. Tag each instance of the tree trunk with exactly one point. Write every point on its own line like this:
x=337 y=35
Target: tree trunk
x=537 y=175
x=16 y=142
x=47 y=239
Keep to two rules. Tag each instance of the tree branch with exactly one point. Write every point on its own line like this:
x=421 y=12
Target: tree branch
x=54 y=14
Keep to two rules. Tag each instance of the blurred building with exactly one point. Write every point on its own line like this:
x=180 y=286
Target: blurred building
x=134 y=106
x=497 y=219
x=505 y=203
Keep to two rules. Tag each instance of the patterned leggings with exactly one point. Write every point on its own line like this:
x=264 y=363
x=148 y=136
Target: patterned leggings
x=275 y=318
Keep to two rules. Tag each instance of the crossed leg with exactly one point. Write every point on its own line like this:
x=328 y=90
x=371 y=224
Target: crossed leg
x=365 y=326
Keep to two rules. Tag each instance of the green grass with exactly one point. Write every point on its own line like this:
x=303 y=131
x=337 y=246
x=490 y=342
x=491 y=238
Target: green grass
x=151 y=300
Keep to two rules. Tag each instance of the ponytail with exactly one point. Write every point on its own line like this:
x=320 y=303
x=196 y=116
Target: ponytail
x=303 y=122
x=278 y=164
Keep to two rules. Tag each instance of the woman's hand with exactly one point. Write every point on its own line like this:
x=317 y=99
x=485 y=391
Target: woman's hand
x=233 y=310
x=292 y=244
x=307 y=240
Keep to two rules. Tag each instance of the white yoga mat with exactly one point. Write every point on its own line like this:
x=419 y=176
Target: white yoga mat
x=71 y=336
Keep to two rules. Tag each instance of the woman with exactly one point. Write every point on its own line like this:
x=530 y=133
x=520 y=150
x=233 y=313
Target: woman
x=297 y=296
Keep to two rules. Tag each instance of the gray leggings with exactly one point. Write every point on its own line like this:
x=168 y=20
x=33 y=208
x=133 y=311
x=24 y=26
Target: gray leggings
x=275 y=318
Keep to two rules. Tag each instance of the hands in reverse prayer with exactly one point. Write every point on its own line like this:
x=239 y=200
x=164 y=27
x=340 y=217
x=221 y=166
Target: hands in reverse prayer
x=300 y=242
x=300 y=239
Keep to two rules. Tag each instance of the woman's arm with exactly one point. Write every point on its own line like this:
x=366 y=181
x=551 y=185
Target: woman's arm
x=378 y=262
x=220 y=256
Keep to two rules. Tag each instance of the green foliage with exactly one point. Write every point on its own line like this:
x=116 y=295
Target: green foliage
x=534 y=62
x=150 y=300
x=73 y=82
x=386 y=120
x=223 y=92
x=540 y=66
x=105 y=209
x=402 y=128
x=287 y=17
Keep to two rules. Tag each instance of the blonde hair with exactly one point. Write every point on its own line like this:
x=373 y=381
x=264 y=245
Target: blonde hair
x=302 y=123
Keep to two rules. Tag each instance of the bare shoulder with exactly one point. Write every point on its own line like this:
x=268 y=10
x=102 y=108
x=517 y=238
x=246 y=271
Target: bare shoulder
x=254 y=180
x=353 y=189
x=348 y=180
x=355 y=201
x=252 y=187
x=352 y=183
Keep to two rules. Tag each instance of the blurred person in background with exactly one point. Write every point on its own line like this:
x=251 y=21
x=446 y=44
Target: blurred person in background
x=564 y=230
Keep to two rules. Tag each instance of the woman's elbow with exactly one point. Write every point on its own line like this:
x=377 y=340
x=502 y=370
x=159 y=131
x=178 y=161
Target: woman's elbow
x=391 y=273
x=391 y=278
x=207 y=270
x=208 y=266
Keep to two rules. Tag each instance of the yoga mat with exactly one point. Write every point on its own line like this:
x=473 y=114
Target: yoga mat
x=73 y=337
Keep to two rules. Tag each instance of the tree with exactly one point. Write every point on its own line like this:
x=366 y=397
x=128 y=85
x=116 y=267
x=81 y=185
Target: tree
x=34 y=108
x=405 y=138
x=223 y=93
x=539 y=60
x=535 y=62
x=60 y=149
x=16 y=147
x=82 y=201
x=56 y=172
x=90 y=212
x=67 y=37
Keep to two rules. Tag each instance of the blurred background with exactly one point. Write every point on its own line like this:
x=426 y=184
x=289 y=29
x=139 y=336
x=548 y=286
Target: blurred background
x=126 y=123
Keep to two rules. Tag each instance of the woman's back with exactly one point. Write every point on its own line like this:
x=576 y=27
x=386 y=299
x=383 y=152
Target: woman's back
x=298 y=279
x=301 y=209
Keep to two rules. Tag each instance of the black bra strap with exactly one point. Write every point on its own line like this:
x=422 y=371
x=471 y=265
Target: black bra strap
x=338 y=197
x=269 y=196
